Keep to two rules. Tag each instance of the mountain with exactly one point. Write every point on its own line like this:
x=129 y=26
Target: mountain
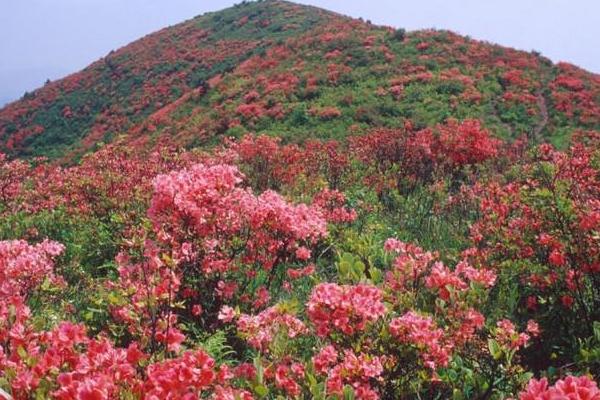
x=296 y=71
x=191 y=237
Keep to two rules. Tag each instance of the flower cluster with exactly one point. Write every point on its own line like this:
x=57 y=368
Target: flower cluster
x=466 y=142
x=409 y=265
x=507 y=335
x=572 y=388
x=23 y=266
x=421 y=332
x=183 y=377
x=102 y=371
x=348 y=368
x=287 y=376
x=444 y=280
x=345 y=309
x=261 y=329
x=207 y=200
x=332 y=202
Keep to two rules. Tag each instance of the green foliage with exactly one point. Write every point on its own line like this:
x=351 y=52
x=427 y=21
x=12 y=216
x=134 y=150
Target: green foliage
x=216 y=345
x=91 y=244
x=399 y=34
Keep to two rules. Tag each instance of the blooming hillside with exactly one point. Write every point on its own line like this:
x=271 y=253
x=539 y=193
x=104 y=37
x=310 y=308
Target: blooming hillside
x=276 y=67
x=277 y=202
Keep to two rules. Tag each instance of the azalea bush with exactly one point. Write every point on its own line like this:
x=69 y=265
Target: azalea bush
x=539 y=231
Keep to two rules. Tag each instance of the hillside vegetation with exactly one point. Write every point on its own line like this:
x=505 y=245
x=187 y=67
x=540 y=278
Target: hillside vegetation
x=296 y=72
x=275 y=201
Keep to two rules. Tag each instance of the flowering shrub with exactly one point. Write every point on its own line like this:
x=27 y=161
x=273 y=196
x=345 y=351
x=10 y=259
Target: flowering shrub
x=538 y=232
x=408 y=156
x=572 y=387
x=23 y=267
x=220 y=238
x=208 y=201
x=465 y=143
x=12 y=176
x=63 y=363
x=268 y=164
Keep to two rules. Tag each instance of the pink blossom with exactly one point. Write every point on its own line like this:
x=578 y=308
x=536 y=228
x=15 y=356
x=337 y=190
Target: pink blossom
x=325 y=358
x=421 y=331
x=261 y=329
x=571 y=388
x=344 y=308
x=227 y=314
x=444 y=280
x=302 y=253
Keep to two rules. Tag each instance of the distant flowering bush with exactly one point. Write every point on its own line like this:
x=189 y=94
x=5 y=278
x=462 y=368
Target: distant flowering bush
x=23 y=267
x=406 y=156
x=465 y=143
x=13 y=174
x=332 y=202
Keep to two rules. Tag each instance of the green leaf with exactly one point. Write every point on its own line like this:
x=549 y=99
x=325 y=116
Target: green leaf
x=596 y=327
x=376 y=275
x=495 y=349
x=359 y=266
x=457 y=395
x=348 y=393
x=261 y=390
x=453 y=375
x=22 y=352
x=312 y=381
x=113 y=299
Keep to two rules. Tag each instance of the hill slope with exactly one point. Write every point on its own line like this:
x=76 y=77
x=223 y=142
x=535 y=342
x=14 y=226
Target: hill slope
x=130 y=83
x=296 y=71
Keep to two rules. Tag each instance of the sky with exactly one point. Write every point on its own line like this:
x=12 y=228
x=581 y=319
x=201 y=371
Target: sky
x=49 y=39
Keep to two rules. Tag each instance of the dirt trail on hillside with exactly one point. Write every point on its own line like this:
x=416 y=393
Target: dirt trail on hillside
x=541 y=103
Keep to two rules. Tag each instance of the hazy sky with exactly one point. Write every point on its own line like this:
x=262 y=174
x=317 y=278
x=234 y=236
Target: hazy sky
x=44 y=39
